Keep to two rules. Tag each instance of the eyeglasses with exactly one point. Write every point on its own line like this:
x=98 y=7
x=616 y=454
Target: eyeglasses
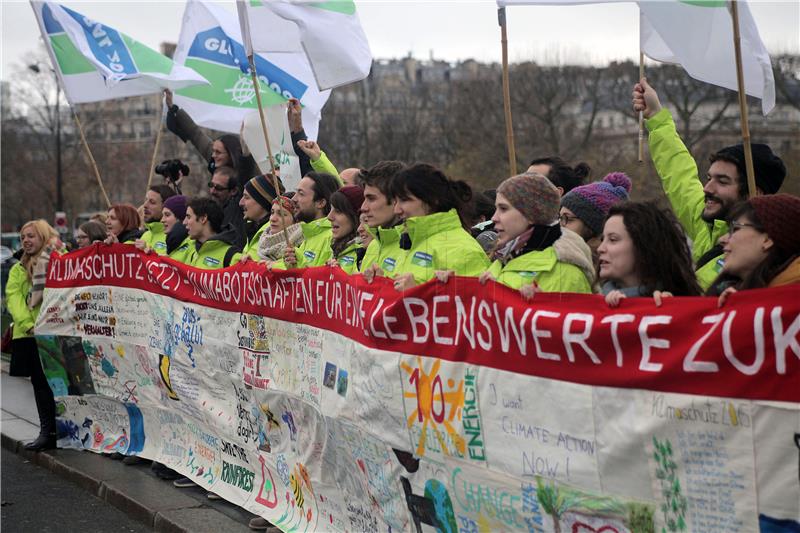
x=80 y=237
x=736 y=226
x=566 y=219
x=217 y=187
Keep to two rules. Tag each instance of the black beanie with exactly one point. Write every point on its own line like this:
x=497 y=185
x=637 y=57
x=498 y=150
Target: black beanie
x=769 y=169
x=261 y=190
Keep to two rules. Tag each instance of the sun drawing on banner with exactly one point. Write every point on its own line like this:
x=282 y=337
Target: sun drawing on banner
x=438 y=404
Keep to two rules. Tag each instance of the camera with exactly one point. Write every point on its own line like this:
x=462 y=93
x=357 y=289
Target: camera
x=171 y=168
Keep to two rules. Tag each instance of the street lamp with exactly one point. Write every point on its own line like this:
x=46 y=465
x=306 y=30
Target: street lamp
x=59 y=193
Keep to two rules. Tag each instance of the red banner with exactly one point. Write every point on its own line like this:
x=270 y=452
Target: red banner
x=747 y=349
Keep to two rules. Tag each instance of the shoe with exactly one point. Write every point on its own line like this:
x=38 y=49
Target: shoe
x=184 y=483
x=116 y=456
x=259 y=524
x=133 y=460
x=213 y=496
x=42 y=442
x=164 y=473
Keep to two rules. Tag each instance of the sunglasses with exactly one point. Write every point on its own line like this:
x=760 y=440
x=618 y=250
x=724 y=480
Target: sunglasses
x=216 y=187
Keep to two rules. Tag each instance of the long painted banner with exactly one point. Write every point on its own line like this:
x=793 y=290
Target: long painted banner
x=325 y=403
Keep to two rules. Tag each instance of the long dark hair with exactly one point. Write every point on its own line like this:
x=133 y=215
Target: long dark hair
x=761 y=276
x=340 y=202
x=662 y=255
x=430 y=185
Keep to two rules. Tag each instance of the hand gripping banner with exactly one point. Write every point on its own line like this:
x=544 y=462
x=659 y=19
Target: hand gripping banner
x=324 y=403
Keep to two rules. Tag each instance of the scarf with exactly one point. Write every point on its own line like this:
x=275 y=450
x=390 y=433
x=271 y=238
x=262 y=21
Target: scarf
x=272 y=245
x=537 y=237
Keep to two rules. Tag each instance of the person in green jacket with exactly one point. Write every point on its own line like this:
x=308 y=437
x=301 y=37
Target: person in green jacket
x=180 y=246
x=38 y=240
x=702 y=208
x=214 y=245
x=313 y=202
x=256 y=204
x=532 y=249
x=644 y=253
x=346 y=247
x=122 y=224
x=383 y=254
x=319 y=161
x=431 y=207
x=155 y=236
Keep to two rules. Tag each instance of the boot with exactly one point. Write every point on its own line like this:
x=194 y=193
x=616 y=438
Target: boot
x=45 y=441
x=46 y=407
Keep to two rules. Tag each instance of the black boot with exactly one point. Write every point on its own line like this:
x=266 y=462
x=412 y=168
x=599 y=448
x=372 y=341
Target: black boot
x=45 y=441
x=46 y=407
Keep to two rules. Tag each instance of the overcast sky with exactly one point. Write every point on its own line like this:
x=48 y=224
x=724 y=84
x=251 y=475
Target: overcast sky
x=450 y=30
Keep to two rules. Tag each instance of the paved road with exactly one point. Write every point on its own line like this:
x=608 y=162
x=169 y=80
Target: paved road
x=35 y=499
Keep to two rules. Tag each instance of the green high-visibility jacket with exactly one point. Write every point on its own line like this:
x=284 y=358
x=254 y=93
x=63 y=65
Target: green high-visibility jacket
x=251 y=246
x=184 y=252
x=348 y=258
x=543 y=267
x=681 y=181
x=315 y=250
x=384 y=250
x=17 y=288
x=155 y=237
x=323 y=164
x=439 y=242
x=212 y=253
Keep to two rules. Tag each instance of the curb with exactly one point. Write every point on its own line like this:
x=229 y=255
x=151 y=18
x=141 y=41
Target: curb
x=130 y=489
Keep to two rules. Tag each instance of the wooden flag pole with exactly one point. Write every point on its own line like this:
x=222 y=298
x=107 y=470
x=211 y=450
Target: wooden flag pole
x=512 y=156
x=91 y=157
x=155 y=151
x=257 y=89
x=641 y=113
x=748 y=153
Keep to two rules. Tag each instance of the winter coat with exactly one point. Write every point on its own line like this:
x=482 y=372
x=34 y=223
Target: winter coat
x=315 y=250
x=155 y=237
x=350 y=258
x=678 y=172
x=789 y=276
x=384 y=250
x=439 y=242
x=130 y=236
x=17 y=289
x=566 y=266
x=217 y=252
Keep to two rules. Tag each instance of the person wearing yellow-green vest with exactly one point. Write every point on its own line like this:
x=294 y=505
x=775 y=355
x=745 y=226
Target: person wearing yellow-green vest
x=533 y=249
x=430 y=206
x=346 y=246
x=313 y=202
x=23 y=300
x=702 y=209
x=180 y=246
x=383 y=255
x=256 y=204
x=214 y=245
x=155 y=236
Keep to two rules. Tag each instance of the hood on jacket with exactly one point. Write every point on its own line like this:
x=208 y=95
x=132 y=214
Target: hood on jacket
x=175 y=237
x=571 y=248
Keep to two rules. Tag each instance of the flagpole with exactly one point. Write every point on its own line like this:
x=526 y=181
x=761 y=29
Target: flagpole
x=155 y=150
x=266 y=136
x=641 y=113
x=512 y=156
x=748 y=154
x=91 y=157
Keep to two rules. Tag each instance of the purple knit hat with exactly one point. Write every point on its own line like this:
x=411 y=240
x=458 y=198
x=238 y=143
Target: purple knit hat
x=177 y=204
x=591 y=202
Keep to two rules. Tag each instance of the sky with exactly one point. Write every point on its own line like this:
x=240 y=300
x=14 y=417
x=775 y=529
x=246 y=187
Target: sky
x=450 y=30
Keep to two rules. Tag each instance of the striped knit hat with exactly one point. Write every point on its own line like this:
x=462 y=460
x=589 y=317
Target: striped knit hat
x=261 y=190
x=591 y=202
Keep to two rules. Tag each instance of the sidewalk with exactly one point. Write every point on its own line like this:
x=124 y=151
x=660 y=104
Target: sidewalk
x=133 y=489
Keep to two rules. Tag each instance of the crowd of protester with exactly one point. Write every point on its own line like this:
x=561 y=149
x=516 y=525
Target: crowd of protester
x=546 y=229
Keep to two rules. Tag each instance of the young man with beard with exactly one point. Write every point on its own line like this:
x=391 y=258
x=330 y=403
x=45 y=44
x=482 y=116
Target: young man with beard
x=214 y=247
x=313 y=202
x=703 y=208
x=383 y=253
x=256 y=205
x=155 y=237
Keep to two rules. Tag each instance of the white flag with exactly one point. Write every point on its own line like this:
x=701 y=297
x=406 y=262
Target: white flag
x=698 y=35
x=280 y=142
x=330 y=32
x=211 y=43
x=96 y=62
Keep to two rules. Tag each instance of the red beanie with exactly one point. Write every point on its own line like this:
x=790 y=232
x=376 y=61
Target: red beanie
x=779 y=215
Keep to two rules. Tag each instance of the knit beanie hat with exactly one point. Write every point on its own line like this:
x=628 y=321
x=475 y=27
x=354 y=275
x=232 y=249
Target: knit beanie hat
x=769 y=168
x=261 y=190
x=354 y=195
x=286 y=204
x=779 y=215
x=177 y=204
x=533 y=195
x=591 y=202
